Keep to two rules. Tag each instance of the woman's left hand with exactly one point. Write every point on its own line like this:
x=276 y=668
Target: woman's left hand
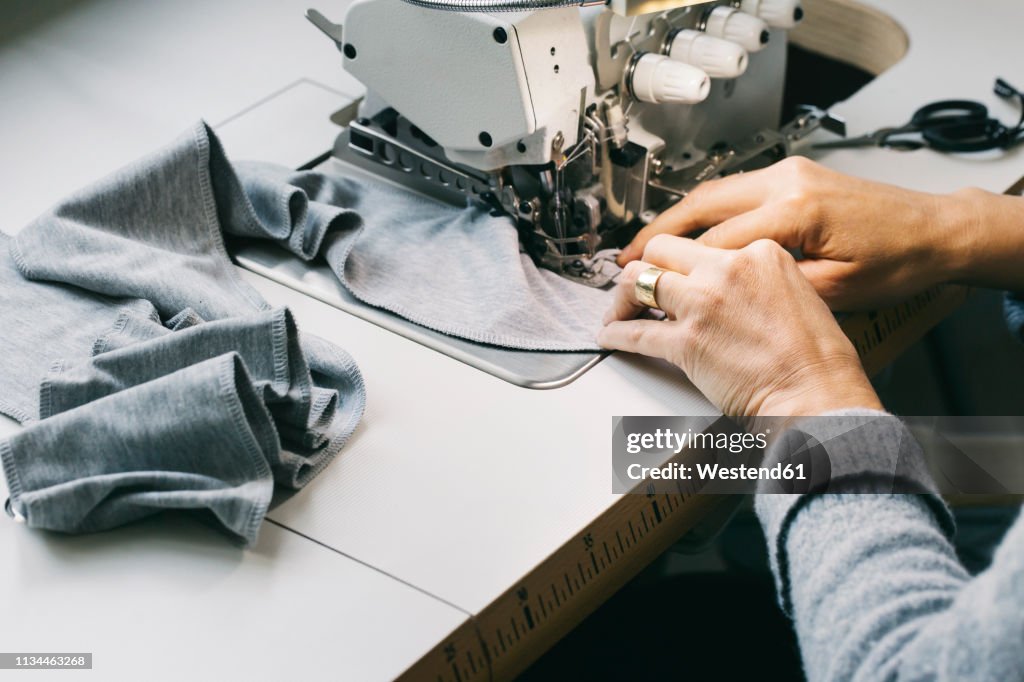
x=745 y=326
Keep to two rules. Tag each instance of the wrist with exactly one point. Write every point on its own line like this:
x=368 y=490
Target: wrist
x=832 y=391
x=956 y=240
x=983 y=239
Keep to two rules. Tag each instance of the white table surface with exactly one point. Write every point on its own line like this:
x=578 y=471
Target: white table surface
x=424 y=518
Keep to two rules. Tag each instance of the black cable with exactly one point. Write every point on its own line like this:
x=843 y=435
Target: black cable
x=1006 y=91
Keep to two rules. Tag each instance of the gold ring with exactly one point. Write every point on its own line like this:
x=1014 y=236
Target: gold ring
x=646 y=287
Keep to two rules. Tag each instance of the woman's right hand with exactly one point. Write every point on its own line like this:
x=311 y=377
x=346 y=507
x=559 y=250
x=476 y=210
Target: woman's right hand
x=863 y=244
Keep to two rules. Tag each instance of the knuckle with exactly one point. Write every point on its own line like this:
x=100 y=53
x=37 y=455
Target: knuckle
x=798 y=166
x=799 y=169
x=659 y=243
x=765 y=253
x=636 y=335
x=798 y=197
x=802 y=184
x=765 y=248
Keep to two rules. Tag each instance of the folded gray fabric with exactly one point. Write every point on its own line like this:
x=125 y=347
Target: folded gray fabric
x=266 y=343
x=41 y=322
x=163 y=419
x=455 y=270
x=199 y=438
x=149 y=375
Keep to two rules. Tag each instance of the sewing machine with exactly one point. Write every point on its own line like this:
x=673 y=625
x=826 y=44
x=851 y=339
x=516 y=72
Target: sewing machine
x=580 y=122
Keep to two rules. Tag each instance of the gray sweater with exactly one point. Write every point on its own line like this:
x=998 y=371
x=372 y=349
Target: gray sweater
x=873 y=584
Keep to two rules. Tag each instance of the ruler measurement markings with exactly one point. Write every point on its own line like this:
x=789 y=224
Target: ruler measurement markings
x=529 y=621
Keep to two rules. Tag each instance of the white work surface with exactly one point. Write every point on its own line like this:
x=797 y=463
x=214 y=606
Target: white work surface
x=457 y=483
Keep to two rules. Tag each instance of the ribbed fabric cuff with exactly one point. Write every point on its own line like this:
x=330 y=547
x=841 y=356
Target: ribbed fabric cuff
x=848 y=452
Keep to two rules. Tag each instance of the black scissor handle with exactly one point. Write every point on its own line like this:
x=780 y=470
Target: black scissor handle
x=949 y=111
x=958 y=125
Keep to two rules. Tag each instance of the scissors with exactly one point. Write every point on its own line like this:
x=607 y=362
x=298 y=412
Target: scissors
x=953 y=125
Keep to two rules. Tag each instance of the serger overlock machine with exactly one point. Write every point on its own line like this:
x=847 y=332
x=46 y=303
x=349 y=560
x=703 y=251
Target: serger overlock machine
x=580 y=119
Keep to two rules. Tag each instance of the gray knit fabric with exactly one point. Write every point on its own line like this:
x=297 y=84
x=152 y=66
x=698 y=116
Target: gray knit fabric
x=872 y=582
x=148 y=375
x=455 y=270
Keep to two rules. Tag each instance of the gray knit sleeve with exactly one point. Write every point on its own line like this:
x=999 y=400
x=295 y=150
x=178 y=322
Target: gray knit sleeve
x=873 y=584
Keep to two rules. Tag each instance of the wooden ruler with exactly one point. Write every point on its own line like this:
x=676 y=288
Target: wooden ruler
x=880 y=337
x=562 y=590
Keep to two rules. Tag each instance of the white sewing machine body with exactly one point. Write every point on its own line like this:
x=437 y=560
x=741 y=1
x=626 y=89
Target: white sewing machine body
x=580 y=123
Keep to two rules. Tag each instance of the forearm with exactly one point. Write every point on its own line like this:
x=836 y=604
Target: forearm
x=879 y=594
x=866 y=572
x=982 y=236
x=871 y=580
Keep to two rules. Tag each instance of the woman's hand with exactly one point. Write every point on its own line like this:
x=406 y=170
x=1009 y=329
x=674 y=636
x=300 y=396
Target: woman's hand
x=745 y=326
x=864 y=244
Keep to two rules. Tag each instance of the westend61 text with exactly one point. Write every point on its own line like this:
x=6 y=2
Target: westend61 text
x=717 y=472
